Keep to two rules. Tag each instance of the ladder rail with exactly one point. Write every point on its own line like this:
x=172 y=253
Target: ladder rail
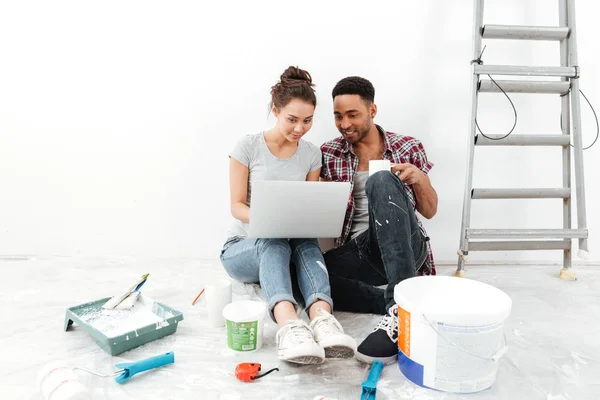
x=466 y=215
x=565 y=131
x=576 y=124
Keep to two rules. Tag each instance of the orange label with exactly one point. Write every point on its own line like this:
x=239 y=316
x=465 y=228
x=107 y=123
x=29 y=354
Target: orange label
x=404 y=331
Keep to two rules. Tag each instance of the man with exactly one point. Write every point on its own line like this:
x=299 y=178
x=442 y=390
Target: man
x=382 y=240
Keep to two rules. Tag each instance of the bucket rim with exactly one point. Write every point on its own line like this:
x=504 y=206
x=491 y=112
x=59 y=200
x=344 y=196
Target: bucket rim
x=259 y=308
x=452 y=307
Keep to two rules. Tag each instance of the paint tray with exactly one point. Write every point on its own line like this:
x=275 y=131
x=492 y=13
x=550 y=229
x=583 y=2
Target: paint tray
x=117 y=331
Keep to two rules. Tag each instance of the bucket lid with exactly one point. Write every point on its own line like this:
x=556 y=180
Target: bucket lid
x=244 y=311
x=453 y=300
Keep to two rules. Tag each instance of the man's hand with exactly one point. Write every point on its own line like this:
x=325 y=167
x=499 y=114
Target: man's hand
x=426 y=197
x=408 y=173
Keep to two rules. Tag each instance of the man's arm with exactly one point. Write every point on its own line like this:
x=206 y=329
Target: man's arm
x=426 y=196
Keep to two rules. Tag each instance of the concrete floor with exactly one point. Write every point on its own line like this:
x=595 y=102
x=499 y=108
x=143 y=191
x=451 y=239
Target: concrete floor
x=553 y=336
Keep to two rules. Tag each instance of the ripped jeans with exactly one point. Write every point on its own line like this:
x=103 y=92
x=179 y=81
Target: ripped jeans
x=392 y=249
x=270 y=262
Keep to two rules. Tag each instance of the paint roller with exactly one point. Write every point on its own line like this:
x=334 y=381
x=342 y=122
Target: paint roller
x=58 y=381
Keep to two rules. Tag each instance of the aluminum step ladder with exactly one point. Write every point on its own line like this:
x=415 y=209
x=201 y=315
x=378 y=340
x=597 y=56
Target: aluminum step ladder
x=568 y=90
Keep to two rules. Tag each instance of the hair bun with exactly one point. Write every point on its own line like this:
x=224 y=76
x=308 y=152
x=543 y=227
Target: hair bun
x=294 y=83
x=294 y=76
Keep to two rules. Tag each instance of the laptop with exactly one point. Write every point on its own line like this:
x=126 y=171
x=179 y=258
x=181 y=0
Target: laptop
x=298 y=209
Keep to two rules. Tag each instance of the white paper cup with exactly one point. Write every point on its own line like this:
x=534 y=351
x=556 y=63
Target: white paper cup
x=379 y=165
x=218 y=295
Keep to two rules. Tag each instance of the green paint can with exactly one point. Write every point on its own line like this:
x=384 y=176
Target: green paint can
x=244 y=322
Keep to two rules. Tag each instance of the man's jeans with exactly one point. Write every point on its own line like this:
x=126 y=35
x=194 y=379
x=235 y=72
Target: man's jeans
x=389 y=251
x=270 y=262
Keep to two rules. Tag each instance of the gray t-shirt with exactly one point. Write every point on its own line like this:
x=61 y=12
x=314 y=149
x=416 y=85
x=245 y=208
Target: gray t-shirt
x=252 y=151
x=360 y=221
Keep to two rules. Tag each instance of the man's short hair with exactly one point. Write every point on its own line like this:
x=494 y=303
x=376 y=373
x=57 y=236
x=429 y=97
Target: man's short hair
x=355 y=85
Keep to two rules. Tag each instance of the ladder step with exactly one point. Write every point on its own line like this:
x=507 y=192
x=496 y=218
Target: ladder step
x=512 y=86
x=521 y=245
x=523 y=140
x=527 y=233
x=524 y=70
x=524 y=32
x=558 y=193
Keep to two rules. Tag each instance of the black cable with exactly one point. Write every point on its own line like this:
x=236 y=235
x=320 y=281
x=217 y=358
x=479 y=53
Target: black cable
x=266 y=373
x=480 y=62
x=514 y=112
x=595 y=117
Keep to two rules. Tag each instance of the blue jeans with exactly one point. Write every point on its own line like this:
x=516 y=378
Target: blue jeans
x=270 y=263
x=390 y=250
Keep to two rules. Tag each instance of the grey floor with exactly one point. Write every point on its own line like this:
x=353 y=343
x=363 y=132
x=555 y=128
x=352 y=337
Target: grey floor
x=553 y=336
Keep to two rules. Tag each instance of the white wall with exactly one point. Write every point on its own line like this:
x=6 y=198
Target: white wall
x=116 y=117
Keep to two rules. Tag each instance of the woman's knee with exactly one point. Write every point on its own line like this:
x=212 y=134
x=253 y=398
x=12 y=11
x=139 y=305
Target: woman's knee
x=304 y=244
x=264 y=244
x=239 y=264
x=243 y=272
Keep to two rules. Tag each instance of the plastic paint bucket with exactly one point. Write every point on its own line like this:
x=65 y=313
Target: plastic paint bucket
x=244 y=321
x=451 y=332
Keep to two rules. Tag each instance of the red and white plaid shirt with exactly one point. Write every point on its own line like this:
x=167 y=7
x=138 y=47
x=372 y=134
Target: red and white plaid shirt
x=340 y=164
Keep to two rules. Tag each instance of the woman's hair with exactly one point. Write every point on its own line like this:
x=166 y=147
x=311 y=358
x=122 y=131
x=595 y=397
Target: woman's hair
x=294 y=83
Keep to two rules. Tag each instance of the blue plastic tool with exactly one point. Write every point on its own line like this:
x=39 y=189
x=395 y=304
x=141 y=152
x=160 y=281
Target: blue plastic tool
x=130 y=369
x=369 y=387
x=127 y=370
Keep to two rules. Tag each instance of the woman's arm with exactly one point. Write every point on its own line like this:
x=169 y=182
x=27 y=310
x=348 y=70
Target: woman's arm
x=238 y=187
x=314 y=176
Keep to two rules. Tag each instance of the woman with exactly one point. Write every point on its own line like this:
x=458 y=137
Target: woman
x=282 y=154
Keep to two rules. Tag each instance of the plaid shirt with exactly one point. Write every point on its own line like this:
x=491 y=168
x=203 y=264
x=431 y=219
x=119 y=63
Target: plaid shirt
x=340 y=163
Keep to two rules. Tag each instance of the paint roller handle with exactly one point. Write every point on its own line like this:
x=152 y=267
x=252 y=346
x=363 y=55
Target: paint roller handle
x=130 y=369
x=374 y=374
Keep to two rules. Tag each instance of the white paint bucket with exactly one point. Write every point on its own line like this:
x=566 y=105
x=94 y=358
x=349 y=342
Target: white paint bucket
x=451 y=332
x=57 y=381
x=244 y=321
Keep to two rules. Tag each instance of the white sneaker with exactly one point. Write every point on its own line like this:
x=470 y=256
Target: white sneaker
x=295 y=343
x=330 y=335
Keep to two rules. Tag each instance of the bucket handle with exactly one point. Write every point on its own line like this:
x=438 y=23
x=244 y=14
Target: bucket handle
x=495 y=358
x=500 y=353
